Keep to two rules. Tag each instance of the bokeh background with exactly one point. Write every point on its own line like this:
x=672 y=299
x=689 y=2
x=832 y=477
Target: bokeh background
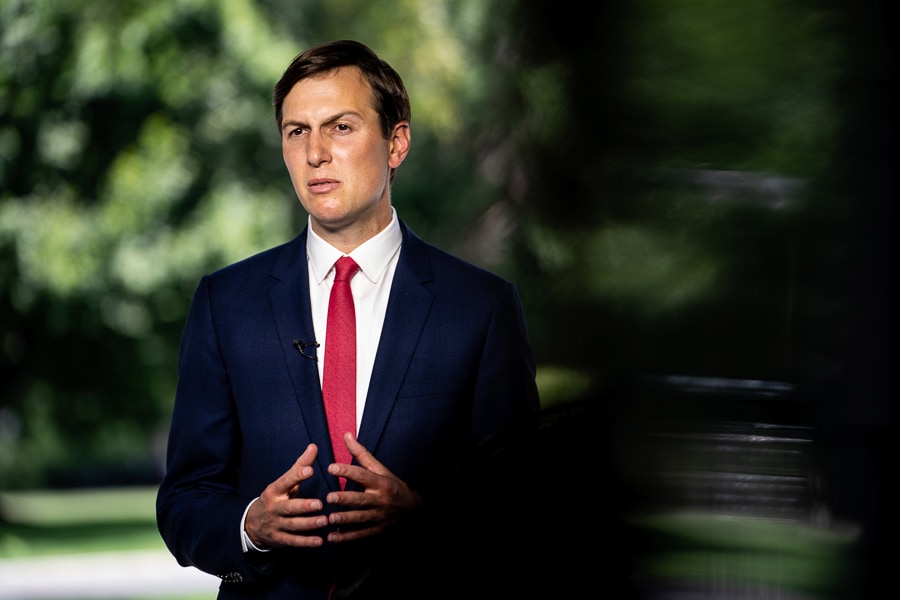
x=696 y=199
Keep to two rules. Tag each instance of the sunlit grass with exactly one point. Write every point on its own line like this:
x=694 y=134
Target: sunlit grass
x=70 y=521
x=703 y=548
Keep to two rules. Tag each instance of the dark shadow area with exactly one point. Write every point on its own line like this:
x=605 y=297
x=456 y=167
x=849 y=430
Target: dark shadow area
x=537 y=511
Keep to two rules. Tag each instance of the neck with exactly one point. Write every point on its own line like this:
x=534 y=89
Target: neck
x=348 y=238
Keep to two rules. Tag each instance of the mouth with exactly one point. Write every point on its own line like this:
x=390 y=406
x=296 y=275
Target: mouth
x=320 y=186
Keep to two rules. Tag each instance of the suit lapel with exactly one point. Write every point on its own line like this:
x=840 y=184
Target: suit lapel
x=407 y=311
x=289 y=301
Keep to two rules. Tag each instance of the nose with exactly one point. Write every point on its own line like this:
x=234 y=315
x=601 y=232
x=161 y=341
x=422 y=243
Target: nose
x=317 y=150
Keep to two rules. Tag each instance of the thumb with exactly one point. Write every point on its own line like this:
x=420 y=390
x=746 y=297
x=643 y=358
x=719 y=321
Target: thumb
x=362 y=455
x=300 y=471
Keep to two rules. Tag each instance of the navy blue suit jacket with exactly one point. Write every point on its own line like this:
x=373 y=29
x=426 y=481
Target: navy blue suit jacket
x=453 y=366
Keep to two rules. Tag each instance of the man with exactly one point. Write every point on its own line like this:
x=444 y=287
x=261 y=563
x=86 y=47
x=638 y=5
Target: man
x=253 y=492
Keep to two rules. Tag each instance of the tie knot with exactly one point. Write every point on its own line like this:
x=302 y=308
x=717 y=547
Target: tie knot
x=345 y=268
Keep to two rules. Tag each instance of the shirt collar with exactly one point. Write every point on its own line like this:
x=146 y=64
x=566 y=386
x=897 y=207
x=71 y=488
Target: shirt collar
x=372 y=256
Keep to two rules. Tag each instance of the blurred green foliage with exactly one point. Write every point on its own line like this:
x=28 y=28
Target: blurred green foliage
x=139 y=151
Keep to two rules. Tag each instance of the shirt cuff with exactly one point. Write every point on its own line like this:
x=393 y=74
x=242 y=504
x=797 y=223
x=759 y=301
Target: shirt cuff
x=246 y=544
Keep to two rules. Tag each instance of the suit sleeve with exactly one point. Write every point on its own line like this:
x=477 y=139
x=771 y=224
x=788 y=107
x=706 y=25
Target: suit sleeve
x=198 y=509
x=505 y=392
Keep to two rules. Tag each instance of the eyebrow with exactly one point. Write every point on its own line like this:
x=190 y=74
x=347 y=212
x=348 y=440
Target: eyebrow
x=332 y=119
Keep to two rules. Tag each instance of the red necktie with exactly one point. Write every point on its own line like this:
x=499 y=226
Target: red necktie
x=339 y=376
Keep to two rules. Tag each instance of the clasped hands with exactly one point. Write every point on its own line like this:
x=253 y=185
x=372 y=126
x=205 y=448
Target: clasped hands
x=282 y=517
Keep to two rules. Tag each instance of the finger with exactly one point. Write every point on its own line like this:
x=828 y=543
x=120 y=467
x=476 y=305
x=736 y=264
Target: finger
x=309 y=455
x=303 y=525
x=297 y=541
x=363 y=476
x=299 y=506
x=297 y=532
x=336 y=537
x=353 y=517
x=352 y=499
x=300 y=471
x=363 y=456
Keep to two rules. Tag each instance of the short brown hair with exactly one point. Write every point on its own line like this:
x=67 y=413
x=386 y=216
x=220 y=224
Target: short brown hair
x=389 y=94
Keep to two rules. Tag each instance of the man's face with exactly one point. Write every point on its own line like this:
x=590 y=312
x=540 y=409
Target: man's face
x=337 y=158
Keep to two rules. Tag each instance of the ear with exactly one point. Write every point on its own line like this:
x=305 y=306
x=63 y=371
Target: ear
x=399 y=144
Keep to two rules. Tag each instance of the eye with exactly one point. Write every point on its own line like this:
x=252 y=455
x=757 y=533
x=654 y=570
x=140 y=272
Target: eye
x=342 y=128
x=295 y=132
